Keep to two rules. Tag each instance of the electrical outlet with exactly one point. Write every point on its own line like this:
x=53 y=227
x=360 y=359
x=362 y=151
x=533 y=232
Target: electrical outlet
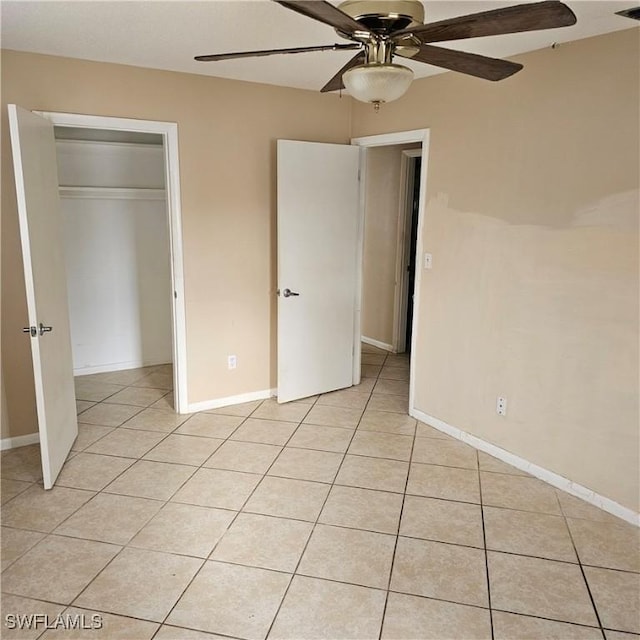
x=232 y=362
x=501 y=406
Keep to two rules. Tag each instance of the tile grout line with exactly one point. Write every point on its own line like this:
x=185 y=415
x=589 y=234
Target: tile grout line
x=486 y=553
x=584 y=576
x=395 y=547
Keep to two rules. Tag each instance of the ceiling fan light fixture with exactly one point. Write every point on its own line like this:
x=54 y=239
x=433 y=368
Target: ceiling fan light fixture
x=377 y=83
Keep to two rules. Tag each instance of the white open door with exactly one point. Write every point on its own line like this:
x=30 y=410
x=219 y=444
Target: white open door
x=318 y=211
x=34 y=160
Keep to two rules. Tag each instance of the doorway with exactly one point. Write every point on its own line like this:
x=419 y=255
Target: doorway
x=403 y=220
x=119 y=188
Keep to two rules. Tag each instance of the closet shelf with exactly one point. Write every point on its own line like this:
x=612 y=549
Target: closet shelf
x=108 y=193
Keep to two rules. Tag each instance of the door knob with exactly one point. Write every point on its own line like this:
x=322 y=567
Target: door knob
x=44 y=329
x=287 y=293
x=30 y=330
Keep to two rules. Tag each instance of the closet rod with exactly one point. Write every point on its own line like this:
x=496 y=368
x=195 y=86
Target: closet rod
x=117 y=193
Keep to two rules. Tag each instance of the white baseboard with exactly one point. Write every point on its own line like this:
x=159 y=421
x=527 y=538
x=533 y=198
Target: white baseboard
x=119 y=366
x=554 y=479
x=377 y=343
x=19 y=441
x=206 y=405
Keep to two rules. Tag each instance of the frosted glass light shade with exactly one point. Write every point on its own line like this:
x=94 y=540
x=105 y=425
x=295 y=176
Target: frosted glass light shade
x=377 y=82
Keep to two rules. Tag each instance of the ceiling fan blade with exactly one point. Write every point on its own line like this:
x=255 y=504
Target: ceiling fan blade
x=270 y=52
x=470 y=63
x=336 y=82
x=325 y=12
x=523 y=17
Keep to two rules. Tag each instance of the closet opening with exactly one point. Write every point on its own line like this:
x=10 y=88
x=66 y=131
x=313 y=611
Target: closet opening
x=119 y=196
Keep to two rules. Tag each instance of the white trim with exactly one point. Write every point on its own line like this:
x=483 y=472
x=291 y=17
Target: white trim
x=377 y=343
x=387 y=139
x=83 y=121
x=109 y=193
x=169 y=132
x=118 y=366
x=357 y=316
x=550 y=477
x=19 y=441
x=172 y=182
x=207 y=405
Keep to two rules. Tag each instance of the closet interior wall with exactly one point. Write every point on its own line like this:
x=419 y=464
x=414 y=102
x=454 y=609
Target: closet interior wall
x=116 y=244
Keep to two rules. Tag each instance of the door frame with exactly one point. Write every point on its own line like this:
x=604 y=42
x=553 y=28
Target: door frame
x=169 y=133
x=384 y=140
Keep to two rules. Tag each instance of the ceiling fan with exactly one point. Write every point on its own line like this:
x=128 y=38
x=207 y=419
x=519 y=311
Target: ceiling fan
x=382 y=29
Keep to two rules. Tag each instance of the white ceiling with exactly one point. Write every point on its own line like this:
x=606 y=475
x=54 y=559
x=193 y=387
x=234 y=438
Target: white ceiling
x=166 y=35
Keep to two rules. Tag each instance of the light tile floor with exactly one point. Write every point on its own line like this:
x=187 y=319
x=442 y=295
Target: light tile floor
x=331 y=517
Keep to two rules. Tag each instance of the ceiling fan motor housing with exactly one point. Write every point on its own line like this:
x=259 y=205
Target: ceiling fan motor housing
x=385 y=16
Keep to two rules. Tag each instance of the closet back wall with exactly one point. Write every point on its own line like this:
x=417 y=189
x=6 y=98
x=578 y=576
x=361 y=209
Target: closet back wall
x=117 y=254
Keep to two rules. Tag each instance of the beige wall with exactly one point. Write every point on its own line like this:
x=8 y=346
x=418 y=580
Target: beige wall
x=381 y=216
x=532 y=220
x=227 y=137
